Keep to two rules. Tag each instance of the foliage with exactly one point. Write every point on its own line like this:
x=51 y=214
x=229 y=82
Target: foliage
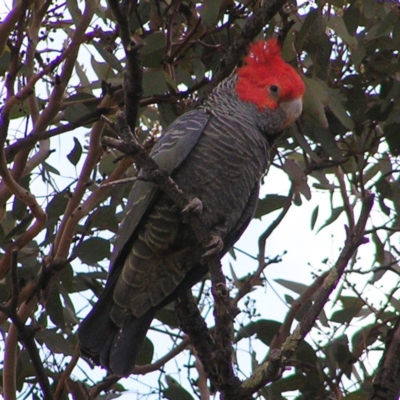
x=61 y=68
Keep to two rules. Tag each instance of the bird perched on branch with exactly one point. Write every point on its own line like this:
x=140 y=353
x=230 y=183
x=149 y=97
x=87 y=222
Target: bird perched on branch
x=216 y=153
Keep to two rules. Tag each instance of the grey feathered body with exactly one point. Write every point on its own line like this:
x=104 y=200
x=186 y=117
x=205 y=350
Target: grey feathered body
x=216 y=153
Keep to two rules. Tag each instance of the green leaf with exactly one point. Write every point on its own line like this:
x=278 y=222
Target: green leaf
x=323 y=319
x=104 y=218
x=20 y=110
x=5 y=60
x=303 y=310
x=93 y=250
x=361 y=394
x=367 y=335
x=54 y=307
x=344 y=316
x=314 y=217
x=90 y=281
x=316 y=98
x=75 y=154
x=55 y=342
x=386 y=25
x=153 y=51
x=265 y=330
x=335 y=104
x=168 y=317
x=146 y=352
x=298 y=177
x=232 y=253
x=154 y=82
x=392 y=135
x=199 y=69
x=57 y=205
x=167 y=114
x=84 y=100
x=290 y=383
x=305 y=27
x=358 y=54
x=19 y=207
x=368 y=7
x=175 y=391
x=338 y=25
x=334 y=216
x=351 y=18
x=67 y=278
x=107 y=164
x=306 y=353
x=102 y=70
x=72 y=6
x=296 y=287
x=49 y=168
x=209 y=12
x=141 y=16
x=370 y=173
x=20 y=228
x=108 y=57
x=340 y=352
x=24 y=370
x=270 y=203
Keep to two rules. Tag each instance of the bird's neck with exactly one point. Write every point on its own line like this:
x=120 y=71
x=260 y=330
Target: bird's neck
x=223 y=99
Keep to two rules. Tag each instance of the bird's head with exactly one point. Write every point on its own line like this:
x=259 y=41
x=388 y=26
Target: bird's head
x=269 y=82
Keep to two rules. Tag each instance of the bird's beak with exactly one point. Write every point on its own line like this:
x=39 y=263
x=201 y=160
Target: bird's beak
x=292 y=110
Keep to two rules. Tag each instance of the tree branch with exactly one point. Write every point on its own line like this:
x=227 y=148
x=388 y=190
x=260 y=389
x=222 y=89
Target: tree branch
x=20 y=332
x=355 y=237
x=13 y=187
x=69 y=56
x=193 y=324
x=58 y=394
x=386 y=384
x=133 y=77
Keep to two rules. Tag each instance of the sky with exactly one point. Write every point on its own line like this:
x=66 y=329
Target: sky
x=304 y=253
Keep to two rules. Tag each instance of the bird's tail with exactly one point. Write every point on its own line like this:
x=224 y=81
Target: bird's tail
x=101 y=340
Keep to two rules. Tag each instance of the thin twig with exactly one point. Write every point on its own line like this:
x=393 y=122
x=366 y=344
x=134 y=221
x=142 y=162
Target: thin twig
x=58 y=394
x=239 y=47
x=296 y=306
x=355 y=237
x=267 y=233
x=118 y=182
x=145 y=369
x=106 y=384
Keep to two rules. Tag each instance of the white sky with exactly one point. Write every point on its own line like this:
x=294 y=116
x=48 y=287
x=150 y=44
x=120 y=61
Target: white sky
x=305 y=253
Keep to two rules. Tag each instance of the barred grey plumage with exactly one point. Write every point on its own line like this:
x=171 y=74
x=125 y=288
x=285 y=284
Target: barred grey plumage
x=216 y=153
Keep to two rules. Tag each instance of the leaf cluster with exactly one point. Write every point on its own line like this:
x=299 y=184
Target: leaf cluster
x=61 y=69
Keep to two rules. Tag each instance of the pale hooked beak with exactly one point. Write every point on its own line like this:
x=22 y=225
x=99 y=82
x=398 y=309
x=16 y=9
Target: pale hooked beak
x=292 y=110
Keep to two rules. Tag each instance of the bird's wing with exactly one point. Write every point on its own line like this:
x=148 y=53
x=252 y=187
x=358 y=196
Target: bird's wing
x=96 y=331
x=245 y=218
x=169 y=153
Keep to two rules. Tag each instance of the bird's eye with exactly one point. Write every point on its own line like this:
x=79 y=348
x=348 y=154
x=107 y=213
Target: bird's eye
x=274 y=88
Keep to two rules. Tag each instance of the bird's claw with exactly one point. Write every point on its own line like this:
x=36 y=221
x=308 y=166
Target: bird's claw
x=194 y=206
x=214 y=246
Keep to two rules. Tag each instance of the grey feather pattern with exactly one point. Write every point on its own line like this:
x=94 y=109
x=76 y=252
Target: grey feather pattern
x=218 y=154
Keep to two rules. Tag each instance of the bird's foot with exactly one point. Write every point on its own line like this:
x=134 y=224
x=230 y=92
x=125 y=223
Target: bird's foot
x=194 y=206
x=213 y=247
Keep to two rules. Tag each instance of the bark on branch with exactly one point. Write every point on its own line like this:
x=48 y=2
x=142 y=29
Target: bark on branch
x=386 y=384
x=272 y=368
